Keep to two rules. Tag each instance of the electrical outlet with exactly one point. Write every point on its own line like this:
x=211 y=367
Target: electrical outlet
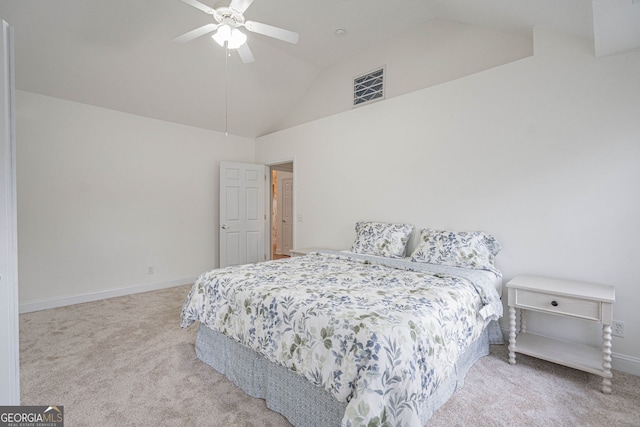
x=150 y=269
x=617 y=329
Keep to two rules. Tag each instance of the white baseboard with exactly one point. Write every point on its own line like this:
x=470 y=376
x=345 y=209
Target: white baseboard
x=620 y=362
x=624 y=363
x=37 y=305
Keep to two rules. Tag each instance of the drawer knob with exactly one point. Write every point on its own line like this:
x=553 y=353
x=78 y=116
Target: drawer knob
x=554 y=303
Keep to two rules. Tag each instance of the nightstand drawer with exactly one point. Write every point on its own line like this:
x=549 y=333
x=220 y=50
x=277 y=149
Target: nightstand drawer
x=567 y=306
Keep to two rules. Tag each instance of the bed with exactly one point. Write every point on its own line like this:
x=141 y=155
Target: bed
x=365 y=337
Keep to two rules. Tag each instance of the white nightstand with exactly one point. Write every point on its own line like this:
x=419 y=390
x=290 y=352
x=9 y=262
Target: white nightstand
x=302 y=251
x=580 y=300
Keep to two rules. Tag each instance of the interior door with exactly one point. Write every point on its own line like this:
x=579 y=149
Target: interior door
x=242 y=213
x=287 y=215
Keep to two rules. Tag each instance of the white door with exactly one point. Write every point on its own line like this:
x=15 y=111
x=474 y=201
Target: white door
x=287 y=215
x=242 y=213
x=9 y=353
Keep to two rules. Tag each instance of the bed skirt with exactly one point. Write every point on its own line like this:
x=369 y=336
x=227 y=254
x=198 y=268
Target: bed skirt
x=301 y=402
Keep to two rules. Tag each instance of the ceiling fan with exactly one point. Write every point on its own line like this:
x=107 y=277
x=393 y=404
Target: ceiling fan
x=228 y=21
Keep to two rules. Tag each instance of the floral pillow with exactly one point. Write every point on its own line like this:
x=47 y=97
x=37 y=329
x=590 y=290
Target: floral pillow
x=381 y=239
x=468 y=249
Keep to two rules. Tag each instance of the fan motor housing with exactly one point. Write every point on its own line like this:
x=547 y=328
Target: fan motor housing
x=228 y=16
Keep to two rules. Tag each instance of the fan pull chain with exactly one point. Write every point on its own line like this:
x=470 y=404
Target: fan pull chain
x=226 y=89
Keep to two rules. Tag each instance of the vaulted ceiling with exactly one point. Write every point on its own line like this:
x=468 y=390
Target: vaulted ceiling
x=119 y=54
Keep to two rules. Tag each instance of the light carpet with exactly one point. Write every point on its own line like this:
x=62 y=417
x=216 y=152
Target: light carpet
x=125 y=361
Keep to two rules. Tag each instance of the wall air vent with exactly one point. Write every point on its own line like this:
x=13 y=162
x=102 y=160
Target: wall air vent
x=368 y=87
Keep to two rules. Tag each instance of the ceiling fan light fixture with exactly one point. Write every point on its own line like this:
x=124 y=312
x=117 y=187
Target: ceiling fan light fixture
x=222 y=35
x=233 y=37
x=237 y=39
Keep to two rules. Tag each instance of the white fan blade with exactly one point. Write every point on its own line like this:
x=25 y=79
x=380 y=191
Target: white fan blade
x=198 y=5
x=240 y=5
x=275 y=32
x=245 y=54
x=194 y=34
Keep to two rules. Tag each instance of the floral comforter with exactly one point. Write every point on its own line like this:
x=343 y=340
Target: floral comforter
x=381 y=337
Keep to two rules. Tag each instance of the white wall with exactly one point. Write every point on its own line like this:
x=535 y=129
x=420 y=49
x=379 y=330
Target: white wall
x=427 y=55
x=543 y=153
x=103 y=195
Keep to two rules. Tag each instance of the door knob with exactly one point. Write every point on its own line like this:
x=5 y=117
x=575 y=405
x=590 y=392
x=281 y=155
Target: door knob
x=224 y=226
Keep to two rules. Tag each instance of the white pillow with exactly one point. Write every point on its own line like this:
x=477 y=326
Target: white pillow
x=381 y=239
x=468 y=249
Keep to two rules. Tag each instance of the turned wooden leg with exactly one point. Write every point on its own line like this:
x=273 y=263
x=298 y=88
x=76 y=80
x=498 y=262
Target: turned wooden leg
x=523 y=321
x=512 y=335
x=606 y=361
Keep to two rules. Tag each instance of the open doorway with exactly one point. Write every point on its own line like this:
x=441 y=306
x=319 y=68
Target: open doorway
x=281 y=210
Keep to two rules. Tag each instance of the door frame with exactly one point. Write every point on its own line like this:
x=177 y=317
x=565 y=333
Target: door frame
x=269 y=202
x=9 y=331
